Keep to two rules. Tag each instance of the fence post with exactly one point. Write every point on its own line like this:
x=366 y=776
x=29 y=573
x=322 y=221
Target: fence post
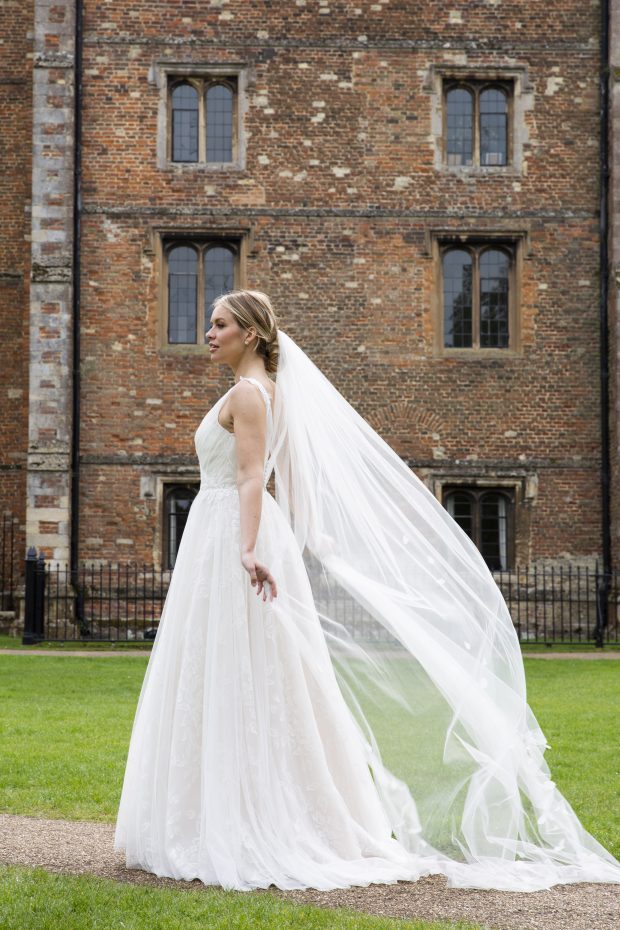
x=34 y=598
x=602 y=606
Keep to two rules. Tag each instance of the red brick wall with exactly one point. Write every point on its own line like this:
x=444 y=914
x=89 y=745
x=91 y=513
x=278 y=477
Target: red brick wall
x=16 y=23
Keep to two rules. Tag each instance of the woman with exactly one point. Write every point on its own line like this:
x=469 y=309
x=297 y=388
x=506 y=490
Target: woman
x=372 y=730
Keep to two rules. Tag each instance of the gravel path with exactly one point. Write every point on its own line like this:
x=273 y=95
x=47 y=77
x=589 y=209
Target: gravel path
x=83 y=847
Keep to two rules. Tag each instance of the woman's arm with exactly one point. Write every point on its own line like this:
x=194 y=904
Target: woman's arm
x=250 y=437
x=248 y=414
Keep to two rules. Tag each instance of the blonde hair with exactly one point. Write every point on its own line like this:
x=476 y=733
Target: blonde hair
x=253 y=308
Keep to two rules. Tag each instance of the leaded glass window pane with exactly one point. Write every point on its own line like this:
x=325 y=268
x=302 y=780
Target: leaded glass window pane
x=182 y=294
x=460 y=126
x=178 y=503
x=219 y=275
x=219 y=123
x=185 y=123
x=460 y=506
x=457 y=297
x=493 y=530
x=493 y=127
x=494 y=268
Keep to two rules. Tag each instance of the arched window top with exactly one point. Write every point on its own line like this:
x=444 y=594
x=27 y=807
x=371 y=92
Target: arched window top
x=220 y=248
x=460 y=498
x=455 y=256
x=494 y=257
x=460 y=95
x=180 y=496
x=184 y=96
x=493 y=98
x=494 y=495
x=182 y=259
x=219 y=90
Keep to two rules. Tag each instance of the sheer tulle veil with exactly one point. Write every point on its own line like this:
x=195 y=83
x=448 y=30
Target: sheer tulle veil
x=424 y=650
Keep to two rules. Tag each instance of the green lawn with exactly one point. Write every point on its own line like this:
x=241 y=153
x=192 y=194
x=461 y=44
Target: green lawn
x=32 y=899
x=64 y=733
x=66 y=723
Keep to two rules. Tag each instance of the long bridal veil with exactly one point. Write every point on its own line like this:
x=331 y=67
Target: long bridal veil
x=424 y=650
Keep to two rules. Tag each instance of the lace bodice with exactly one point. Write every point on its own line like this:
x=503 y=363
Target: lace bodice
x=215 y=446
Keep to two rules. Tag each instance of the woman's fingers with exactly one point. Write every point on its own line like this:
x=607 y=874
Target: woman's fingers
x=266 y=583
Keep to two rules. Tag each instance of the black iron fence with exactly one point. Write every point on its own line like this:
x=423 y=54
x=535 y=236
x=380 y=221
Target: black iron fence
x=123 y=603
x=115 y=603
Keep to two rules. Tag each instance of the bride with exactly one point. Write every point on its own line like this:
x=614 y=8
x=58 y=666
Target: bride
x=335 y=694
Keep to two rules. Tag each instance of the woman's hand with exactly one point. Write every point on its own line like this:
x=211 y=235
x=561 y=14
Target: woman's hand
x=259 y=575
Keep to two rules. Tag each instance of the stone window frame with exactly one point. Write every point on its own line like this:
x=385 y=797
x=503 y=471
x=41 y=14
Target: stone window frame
x=165 y=75
x=517 y=241
x=521 y=100
x=239 y=239
x=523 y=486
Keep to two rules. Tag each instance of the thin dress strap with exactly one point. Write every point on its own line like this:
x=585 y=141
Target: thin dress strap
x=263 y=391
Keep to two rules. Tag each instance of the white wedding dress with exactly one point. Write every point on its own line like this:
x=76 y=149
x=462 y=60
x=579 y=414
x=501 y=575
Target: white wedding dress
x=267 y=745
x=245 y=766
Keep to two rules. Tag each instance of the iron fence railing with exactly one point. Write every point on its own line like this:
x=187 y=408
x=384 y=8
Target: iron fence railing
x=121 y=603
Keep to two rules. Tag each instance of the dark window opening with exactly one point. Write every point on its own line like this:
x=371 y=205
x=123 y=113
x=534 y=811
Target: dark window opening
x=477 y=281
x=477 y=123
x=202 y=120
x=486 y=516
x=177 y=502
x=198 y=271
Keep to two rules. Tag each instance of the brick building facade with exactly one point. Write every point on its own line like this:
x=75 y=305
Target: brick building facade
x=417 y=187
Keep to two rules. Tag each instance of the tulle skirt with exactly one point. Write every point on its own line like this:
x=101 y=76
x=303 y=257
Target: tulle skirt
x=245 y=766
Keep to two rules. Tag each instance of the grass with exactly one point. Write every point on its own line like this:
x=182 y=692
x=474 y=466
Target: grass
x=576 y=703
x=32 y=899
x=65 y=729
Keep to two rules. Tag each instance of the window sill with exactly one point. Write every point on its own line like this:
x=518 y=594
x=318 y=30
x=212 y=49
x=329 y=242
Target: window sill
x=181 y=167
x=477 y=355
x=182 y=348
x=482 y=171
